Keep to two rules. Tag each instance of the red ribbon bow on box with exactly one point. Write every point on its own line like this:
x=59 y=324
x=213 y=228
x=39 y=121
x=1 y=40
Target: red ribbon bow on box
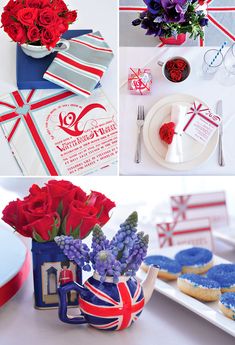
x=22 y=112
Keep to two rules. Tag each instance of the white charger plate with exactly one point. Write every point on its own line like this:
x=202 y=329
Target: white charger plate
x=208 y=311
x=160 y=113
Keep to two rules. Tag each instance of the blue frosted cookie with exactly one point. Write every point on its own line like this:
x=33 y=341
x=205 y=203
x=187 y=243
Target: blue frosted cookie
x=224 y=274
x=199 y=287
x=169 y=268
x=227 y=304
x=195 y=260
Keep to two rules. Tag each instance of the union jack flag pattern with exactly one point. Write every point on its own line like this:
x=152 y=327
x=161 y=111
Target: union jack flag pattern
x=110 y=306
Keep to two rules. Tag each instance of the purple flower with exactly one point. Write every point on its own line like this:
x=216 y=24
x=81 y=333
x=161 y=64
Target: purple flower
x=154 y=6
x=203 y=22
x=175 y=10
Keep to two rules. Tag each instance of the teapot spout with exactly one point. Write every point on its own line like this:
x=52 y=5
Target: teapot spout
x=149 y=281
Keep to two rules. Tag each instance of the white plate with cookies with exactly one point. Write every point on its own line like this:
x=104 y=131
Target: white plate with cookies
x=209 y=311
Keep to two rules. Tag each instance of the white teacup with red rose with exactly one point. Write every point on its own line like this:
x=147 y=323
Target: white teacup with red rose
x=176 y=69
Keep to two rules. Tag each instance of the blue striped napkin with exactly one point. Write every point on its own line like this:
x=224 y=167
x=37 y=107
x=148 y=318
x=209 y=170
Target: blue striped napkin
x=81 y=67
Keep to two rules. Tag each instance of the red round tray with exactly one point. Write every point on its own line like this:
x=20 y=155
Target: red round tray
x=14 y=265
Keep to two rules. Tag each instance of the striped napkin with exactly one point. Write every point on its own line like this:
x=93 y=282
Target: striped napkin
x=80 y=68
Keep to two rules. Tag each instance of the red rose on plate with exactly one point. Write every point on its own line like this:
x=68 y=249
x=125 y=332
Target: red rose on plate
x=180 y=64
x=16 y=32
x=80 y=220
x=47 y=17
x=170 y=64
x=27 y=16
x=167 y=132
x=33 y=34
x=43 y=229
x=176 y=75
x=102 y=204
x=49 y=37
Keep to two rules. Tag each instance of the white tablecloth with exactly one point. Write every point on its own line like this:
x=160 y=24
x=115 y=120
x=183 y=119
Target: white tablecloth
x=90 y=16
x=210 y=91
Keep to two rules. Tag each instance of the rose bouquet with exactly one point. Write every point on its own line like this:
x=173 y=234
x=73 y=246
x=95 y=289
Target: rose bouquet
x=170 y=18
x=37 y=22
x=57 y=208
x=122 y=255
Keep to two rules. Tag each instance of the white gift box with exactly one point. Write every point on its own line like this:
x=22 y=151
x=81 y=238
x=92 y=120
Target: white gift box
x=196 y=232
x=53 y=132
x=202 y=205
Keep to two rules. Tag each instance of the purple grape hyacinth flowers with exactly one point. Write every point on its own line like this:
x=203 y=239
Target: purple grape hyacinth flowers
x=122 y=255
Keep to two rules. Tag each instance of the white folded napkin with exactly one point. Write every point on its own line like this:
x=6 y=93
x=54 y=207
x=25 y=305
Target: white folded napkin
x=175 y=151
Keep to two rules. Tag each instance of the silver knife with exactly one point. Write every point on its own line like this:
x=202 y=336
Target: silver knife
x=219 y=111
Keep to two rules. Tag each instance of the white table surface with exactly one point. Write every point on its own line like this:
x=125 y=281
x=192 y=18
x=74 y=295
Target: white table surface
x=90 y=16
x=162 y=322
x=210 y=91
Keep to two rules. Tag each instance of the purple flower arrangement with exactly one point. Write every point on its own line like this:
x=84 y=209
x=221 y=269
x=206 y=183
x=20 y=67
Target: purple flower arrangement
x=169 y=18
x=122 y=255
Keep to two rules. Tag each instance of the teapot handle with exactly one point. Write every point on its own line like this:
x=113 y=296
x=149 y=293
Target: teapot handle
x=62 y=312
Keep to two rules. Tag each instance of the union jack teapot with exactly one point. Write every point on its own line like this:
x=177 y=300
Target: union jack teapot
x=108 y=305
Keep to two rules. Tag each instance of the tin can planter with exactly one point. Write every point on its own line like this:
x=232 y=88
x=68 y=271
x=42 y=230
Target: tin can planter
x=51 y=270
x=180 y=39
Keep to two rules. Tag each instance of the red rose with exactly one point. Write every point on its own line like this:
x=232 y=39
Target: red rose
x=36 y=204
x=62 y=193
x=80 y=220
x=10 y=5
x=6 y=19
x=14 y=217
x=27 y=16
x=59 y=6
x=35 y=3
x=102 y=204
x=49 y=37
x=167 y=132
x=47 y=17
x=170 y=64
x=16 y=32
x=180 y=64
x=176 y=75
x=61 y=25
x=43 y=229
x=71 y=16
x=33 y=34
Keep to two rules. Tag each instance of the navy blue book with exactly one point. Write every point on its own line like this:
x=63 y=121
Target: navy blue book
x=29 y=71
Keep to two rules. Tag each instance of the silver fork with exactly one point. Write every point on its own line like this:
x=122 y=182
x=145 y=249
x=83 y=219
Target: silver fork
x=140 y=123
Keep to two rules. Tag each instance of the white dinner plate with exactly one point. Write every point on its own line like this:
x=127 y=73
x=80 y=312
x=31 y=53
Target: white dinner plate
x=196 y=153
x=208 y=311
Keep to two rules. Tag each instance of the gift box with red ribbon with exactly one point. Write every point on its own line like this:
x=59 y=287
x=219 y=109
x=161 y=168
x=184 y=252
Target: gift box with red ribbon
x=196 y=232
x=140 y=81
x=58 y=133
x=194 y=206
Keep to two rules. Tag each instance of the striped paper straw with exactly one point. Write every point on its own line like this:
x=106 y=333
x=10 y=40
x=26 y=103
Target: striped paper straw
x=217 y=54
